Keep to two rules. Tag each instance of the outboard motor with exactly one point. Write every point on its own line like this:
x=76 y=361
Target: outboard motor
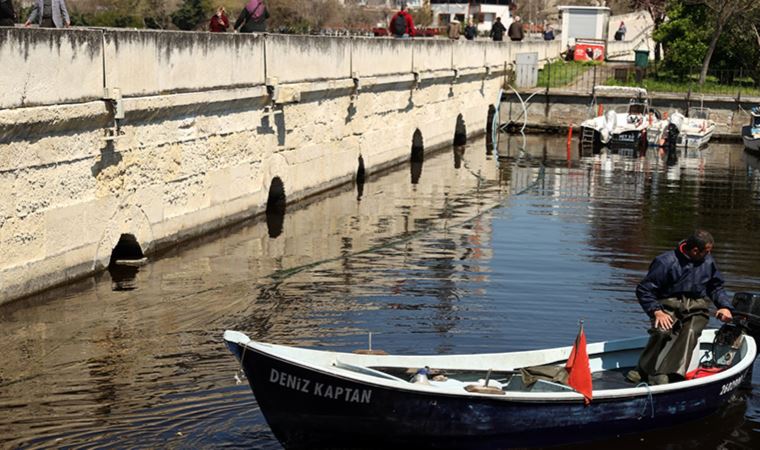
x=729 y=337
x=747 y=310
x=675 y=122
x=747 y=314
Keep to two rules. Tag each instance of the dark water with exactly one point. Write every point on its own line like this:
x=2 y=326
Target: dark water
x=482 y=254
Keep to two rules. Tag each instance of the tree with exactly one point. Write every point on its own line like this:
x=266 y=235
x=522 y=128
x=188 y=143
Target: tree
x=422 y=16
x=724 y=11
x=192 y=13
x=683 y=37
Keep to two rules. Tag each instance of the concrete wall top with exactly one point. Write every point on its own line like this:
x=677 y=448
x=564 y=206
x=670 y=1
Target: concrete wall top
x=149 y=62
x=432 y=54
x=296 y=58
x=468 y=55
x=375 y=56
x=497 y=53
x=49 y=66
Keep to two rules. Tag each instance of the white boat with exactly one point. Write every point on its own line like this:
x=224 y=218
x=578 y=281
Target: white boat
x=314 y=398
x=751 y=132
x=619 y=128
x=694 y=131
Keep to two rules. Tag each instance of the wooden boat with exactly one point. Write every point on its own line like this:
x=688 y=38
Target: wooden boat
x=751 y=132
x=314 y=398
x=617 y=128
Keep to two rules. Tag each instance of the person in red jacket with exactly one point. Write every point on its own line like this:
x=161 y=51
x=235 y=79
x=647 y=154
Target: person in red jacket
x=219 y=23
x=402 y=24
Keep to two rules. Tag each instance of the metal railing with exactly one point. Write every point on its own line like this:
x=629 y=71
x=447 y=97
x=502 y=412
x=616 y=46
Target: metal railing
x=582 y=77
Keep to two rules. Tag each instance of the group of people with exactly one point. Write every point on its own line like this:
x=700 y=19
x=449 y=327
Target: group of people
x=402 y=26
x=252 y=18
x=515 y=31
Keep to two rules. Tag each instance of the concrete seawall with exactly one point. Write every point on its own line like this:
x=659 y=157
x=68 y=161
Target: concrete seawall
x=164 y=136
x=559 y=110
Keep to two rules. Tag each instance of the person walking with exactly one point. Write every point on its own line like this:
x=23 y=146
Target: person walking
x=219 y=22
x=253 y=18
x=516 y=30
x=470 y=31
x=453 y=31
x=7 y=15
x=402 y=24
x=549 y=33
x=676 y=294
x=49 y=14
x=620 y=33
x=497 y=30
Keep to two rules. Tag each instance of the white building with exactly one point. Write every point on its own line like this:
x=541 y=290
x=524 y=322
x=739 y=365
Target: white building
x=484 y=13
x=584 y=22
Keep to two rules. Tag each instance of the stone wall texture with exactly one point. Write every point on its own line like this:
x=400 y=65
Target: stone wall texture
x=209 y=121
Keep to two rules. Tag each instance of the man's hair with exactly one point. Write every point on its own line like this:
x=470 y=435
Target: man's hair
x=699 y=239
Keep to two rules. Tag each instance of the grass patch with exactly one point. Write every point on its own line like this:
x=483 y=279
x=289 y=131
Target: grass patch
x=562 y=73
x=712 y=85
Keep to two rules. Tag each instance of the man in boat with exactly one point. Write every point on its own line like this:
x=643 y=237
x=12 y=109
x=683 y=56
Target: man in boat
x=676 y=294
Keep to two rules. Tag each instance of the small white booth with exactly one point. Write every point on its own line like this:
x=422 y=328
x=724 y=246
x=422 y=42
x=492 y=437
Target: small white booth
x=584 y=22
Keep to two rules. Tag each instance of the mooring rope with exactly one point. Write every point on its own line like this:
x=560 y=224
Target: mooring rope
x=649 y=400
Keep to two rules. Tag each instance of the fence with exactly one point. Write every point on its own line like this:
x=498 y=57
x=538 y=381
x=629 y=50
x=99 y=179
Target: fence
x=582 y=77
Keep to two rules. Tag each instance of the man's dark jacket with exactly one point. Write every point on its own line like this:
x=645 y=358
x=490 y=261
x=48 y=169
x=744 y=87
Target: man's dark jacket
x=7 y=16
x=673 y=274
x=497 y=31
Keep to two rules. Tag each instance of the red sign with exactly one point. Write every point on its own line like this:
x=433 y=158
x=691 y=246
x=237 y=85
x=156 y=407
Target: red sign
x=588 y=52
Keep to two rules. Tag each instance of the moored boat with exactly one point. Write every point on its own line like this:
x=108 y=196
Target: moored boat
x=751 y=132
x=619 y=128
x=313 y=398
x=694 y=131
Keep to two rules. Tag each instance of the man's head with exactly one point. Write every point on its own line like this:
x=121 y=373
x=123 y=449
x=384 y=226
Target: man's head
x=698 y=245
x=402 y=6
x=498 y=19
x=517 y=18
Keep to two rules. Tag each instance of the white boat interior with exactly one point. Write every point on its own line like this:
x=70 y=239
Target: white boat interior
x=458 y=373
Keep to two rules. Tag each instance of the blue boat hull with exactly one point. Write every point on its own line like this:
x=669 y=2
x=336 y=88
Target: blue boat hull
x=307 y=408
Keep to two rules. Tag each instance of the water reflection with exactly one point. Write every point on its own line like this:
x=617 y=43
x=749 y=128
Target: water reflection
x=123 y=277
x=458 y=154
x=496 y=255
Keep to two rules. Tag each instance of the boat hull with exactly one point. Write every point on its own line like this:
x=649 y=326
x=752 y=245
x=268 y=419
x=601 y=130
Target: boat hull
x=628 y=139
x=309 y=408
x=750 y=143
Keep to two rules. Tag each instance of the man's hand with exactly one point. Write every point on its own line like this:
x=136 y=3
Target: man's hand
x=663 y=320
x=724 y=315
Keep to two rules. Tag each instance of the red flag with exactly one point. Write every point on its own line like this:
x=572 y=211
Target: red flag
x=578 y=370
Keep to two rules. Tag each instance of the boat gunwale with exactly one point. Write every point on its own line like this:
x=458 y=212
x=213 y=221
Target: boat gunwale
x=642 y=390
